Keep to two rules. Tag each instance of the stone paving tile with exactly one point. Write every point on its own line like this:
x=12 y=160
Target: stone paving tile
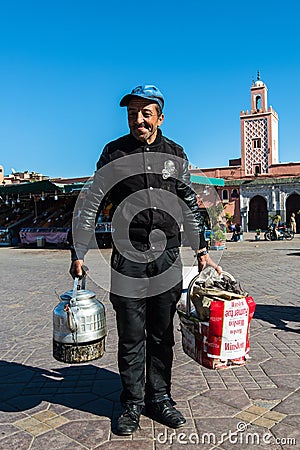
x=73 y=399
x=7 y=429
x=233 y=386
x=32 y=426
x=127 y=445
x=106 y=387
x=290 y=404
x=92 y=410
x=177 y=445
x=212 y=433
x=237 y=398
x=59 y=409
x=289 y=436
x=246 y=416
x=56 y=422
x=217 y=385
x=20 y=441
x=144 y=433
x=274 y=415
x=146 y=422
x=267 y=394
x=206 y=407
x=43 y=416
x=258 y=410
x=292 y=420
x=55 y=440
x=38 y=429
x=28 y=403
x=194 y=383
x=288 y=383
x=263 y=422
x=7 y=416
x=181 y=392
x=86 y=432
x=266 y=403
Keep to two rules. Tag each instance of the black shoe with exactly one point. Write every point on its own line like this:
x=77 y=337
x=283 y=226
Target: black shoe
x=165 y=413
x=128 y=421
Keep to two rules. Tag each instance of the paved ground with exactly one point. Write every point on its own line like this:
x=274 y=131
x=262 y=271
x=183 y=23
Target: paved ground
x=47 y=405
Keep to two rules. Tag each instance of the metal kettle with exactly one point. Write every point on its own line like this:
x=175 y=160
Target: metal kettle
x=79 y=326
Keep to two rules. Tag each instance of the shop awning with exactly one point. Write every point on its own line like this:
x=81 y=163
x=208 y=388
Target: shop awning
x=200 y=179
x=29 y=188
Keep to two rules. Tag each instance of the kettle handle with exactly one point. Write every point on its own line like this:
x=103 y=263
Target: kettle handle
x=76 y=283
x=74 y=293
x=85 y=271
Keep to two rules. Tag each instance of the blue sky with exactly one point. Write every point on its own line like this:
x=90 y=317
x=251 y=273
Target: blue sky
x=65 y=64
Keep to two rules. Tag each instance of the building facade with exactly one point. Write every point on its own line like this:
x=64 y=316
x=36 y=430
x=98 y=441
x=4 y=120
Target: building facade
x=257 y=186
x=20 y=177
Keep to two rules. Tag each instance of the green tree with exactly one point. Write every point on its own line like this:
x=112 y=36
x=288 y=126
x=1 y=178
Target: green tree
x=216 y=216
x=229 y=218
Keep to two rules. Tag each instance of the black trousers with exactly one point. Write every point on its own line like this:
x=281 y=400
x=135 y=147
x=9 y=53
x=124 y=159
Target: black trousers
x=144 y=295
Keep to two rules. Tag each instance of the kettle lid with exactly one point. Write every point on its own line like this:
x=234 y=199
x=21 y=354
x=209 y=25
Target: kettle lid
x=81 y=294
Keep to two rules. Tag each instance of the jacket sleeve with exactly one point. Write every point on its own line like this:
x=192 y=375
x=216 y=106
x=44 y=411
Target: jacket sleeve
x=84 y=228
x=192 y=219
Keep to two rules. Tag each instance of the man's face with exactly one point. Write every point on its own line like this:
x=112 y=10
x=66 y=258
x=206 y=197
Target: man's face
x=143 y=119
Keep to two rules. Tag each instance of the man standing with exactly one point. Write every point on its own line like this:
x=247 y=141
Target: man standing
x=293 y=223
x=146 y=175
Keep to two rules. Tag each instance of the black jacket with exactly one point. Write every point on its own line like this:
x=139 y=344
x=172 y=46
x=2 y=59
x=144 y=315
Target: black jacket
x=149 y=187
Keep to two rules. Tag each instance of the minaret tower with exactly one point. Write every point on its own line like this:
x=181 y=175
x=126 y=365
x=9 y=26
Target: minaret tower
x=259 y=133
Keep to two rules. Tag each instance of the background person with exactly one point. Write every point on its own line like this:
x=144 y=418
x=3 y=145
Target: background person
x=236 y=232
x=293 y=222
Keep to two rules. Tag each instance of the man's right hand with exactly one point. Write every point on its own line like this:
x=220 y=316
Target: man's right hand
x=76 y=269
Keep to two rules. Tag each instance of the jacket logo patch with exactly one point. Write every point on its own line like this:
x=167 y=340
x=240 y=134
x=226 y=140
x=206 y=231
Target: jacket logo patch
x=169 y=169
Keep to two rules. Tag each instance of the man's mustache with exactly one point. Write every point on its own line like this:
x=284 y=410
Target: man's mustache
x=141 y=125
